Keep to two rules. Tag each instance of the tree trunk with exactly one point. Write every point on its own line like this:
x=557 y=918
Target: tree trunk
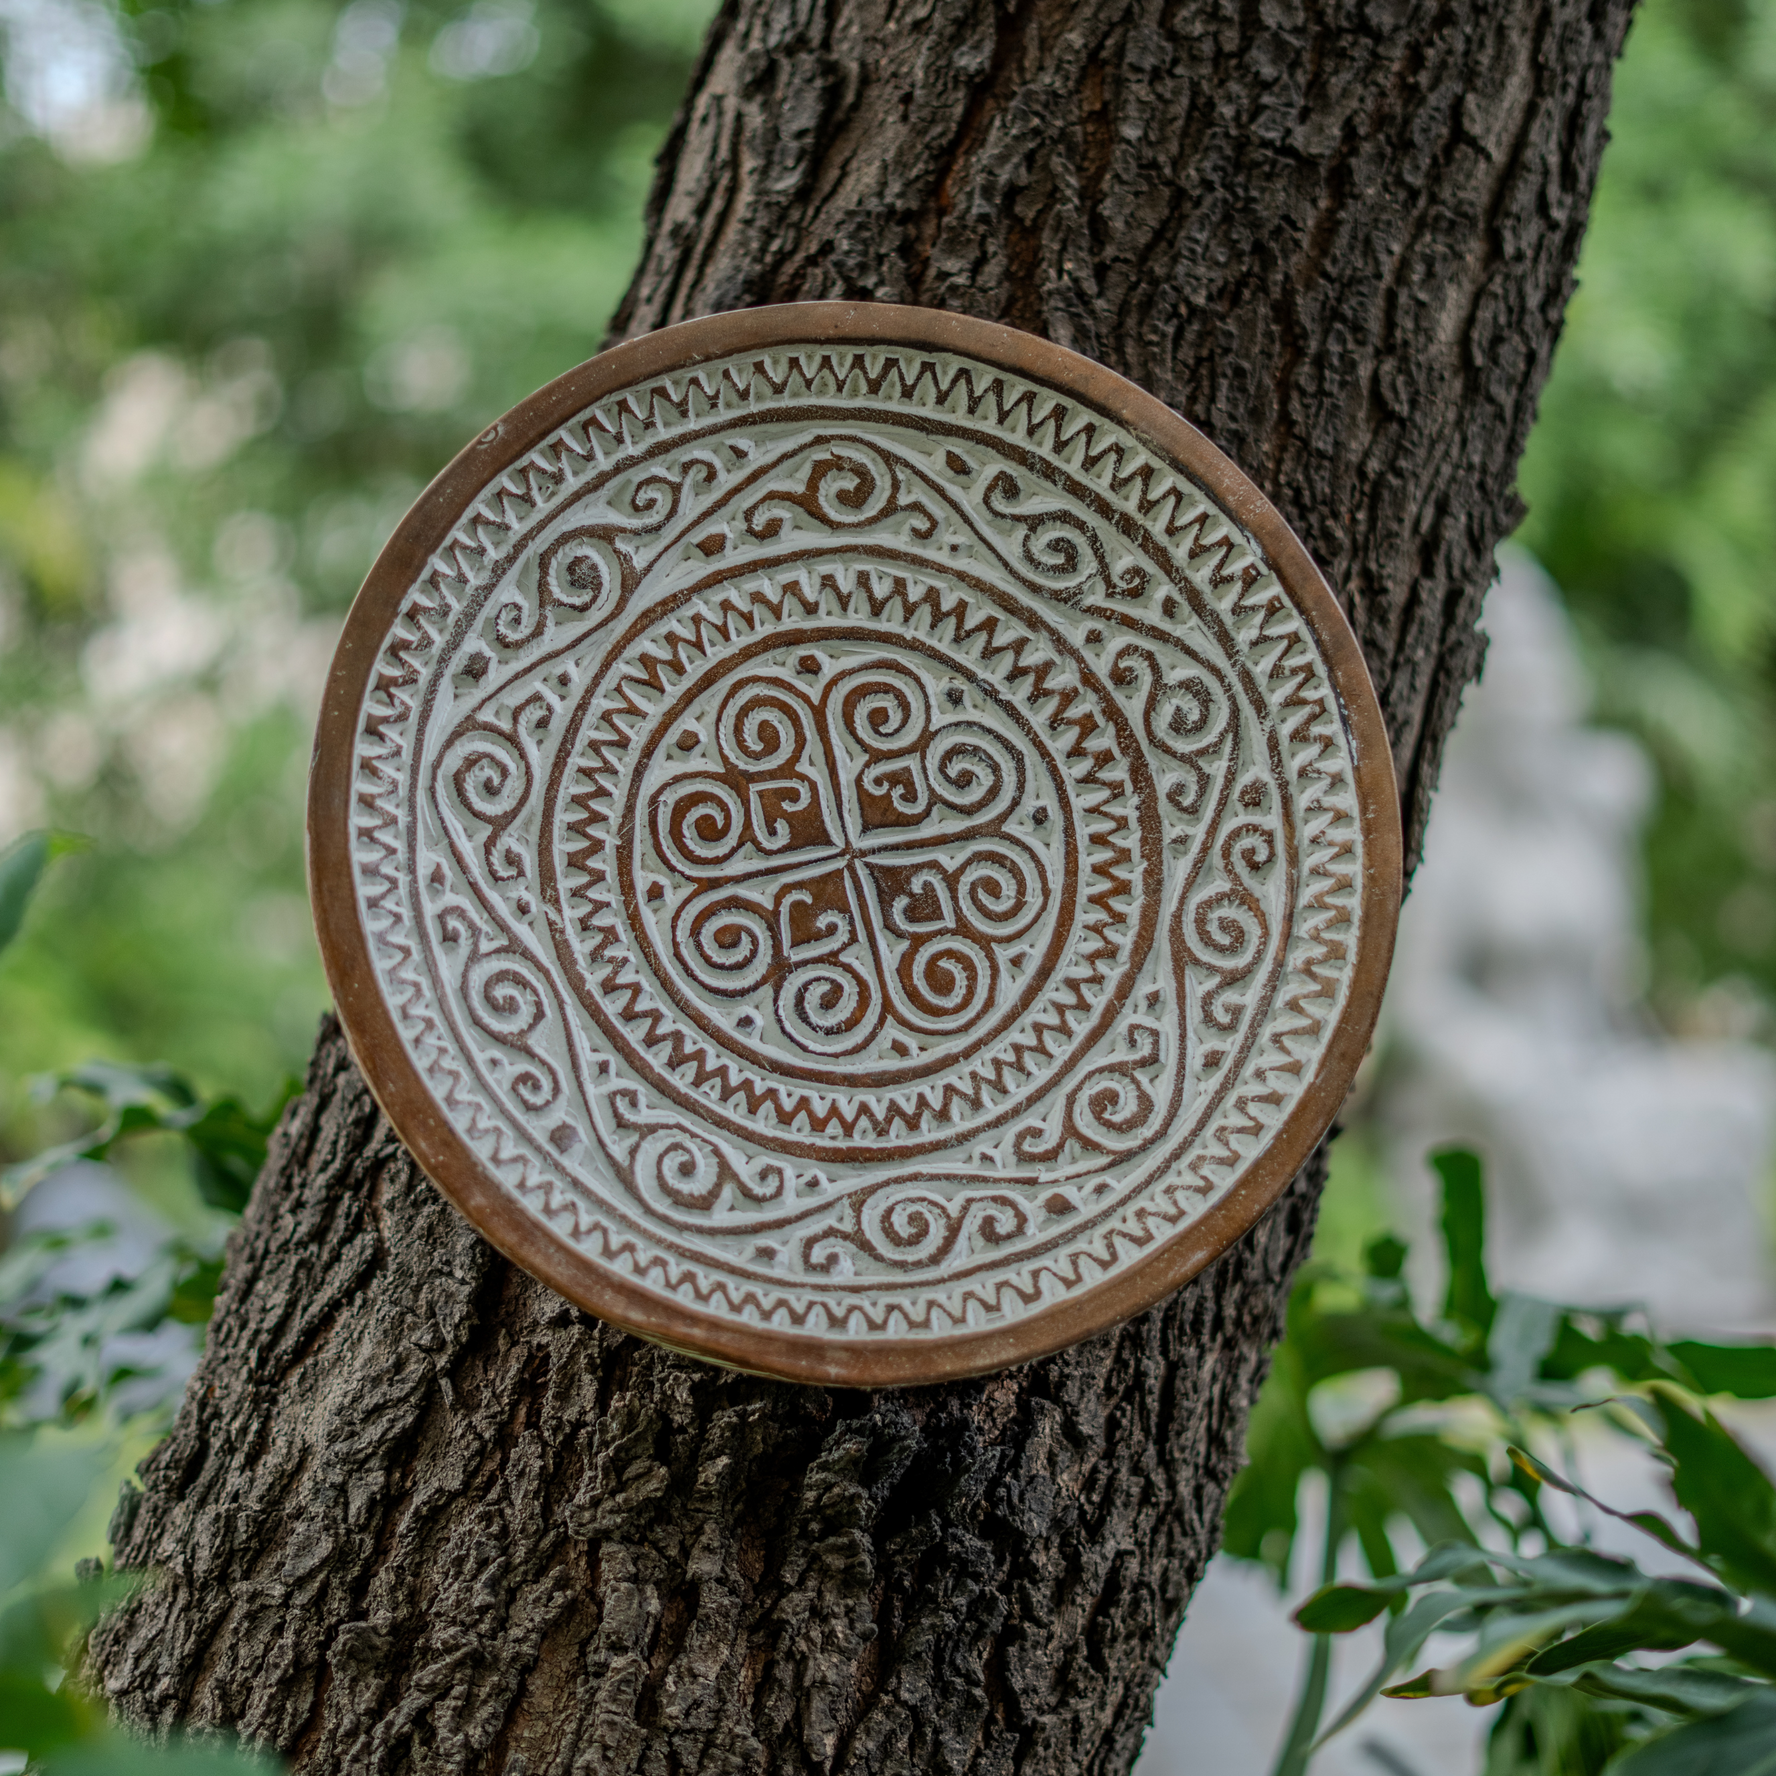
x=418 y=1514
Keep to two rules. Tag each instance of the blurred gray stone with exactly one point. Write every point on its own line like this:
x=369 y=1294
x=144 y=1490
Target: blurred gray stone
x=1622 y=1166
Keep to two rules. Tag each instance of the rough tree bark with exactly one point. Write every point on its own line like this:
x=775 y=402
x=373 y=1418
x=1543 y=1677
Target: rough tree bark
x=420 y=1515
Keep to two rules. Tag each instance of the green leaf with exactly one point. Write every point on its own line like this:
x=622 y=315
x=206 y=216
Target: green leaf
x=1741 y=1742
x=43 y=1486
x=227 y=1141
x=1412 y=1476
x=69 y=1341
x=1414 y=1689
x=1385 y=1257
x=1468 y=1300
x=1412 y=1627
x=1524 y=1331
x=1649 y=1523
x=194 y=1291
x=35 y=1718
x=1507 y=1640
x=122 y=1086
x=1647 y=1624
x=1337 y=1609
x=1725 y=1491
x=1677 y=1689
x=22 y=864
x=1428 y=1368
x=1552 y=1729
x=1746 y=1371
x=228 y=1144
x=1589 y=1340
x=1260 y=1518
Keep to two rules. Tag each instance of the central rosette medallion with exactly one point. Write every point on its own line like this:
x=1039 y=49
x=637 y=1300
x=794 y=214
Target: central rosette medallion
x=847 y=875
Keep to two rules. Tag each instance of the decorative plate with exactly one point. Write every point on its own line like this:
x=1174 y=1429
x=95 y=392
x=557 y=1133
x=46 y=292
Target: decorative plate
x=853 y=842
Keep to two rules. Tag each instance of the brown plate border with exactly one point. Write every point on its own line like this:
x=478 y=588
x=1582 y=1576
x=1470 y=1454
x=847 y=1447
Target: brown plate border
x=448 y=1160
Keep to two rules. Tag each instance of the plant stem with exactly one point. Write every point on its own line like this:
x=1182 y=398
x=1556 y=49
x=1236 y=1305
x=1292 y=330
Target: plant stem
x=1310 y=1703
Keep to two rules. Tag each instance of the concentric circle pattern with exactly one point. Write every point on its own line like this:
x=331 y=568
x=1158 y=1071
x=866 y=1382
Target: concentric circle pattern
x=850 y=850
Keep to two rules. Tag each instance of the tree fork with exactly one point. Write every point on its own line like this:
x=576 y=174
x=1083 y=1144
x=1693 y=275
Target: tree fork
x=417 y=1512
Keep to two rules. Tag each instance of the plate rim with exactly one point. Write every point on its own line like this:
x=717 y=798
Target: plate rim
x=452 y=1165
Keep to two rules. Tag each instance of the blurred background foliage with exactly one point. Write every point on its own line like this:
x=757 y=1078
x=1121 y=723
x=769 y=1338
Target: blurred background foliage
x=267 y=264
x=1651 y=485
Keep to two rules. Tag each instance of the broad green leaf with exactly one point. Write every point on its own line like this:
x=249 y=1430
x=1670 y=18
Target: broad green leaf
x=1746 y=1371
x=1412 y=1477
x=1337 y=1609
x=1725 y=1491
x=229 y=1143
x=122 y=1086
x=35 y=1718
x=194 y=1290
x=1524 y=1331
x=1750 y=1637
x=1647 y=1623
x=1550 y=1729
x=1384 y=1258
x=1595 y=1340
x=1677 y=1689
x=22 y=865
x=1741 y=1742
x=73 y=1345
x=1468 y=1298
x=1507 y=1637
x=1260 y=1520
x=43 y=1487
x=1428 y=1368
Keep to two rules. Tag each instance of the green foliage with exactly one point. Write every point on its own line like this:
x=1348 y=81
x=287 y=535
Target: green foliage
x=1424 y=1425
x=61 y=1365
x=60 y=1347
x=43 y=1625
x=229 y=360
x=1651 y=474
x=227 y=1142
x=22 y=864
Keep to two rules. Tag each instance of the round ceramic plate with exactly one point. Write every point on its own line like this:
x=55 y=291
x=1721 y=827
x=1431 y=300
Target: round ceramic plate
x=854 y=842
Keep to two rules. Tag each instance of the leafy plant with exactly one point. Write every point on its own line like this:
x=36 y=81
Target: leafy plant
x=1426 y=1424
x=58 y=1350
x=43 y=1626
x=227 y=1142
x=60 y=1347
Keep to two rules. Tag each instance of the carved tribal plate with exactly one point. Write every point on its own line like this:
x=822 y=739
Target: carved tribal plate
x=854 y=842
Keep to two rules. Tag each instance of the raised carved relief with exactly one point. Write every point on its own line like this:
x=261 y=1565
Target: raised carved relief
x=855 y=842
